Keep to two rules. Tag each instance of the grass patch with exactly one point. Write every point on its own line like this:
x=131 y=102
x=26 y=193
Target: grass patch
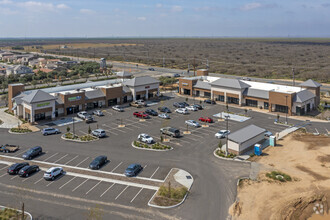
x=222 y=153
x=156 y=146
x=20 y=130
x=11 y=214
x=279 y=176
x=70 y=136
x=170 y=196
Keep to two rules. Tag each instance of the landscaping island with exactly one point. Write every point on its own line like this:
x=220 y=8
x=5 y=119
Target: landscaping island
x=156 y=146
x=85 y=138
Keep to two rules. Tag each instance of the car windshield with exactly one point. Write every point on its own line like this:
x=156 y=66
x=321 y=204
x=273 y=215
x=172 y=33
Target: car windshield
x=147 y=136
x=29 y=151
x=48 y=172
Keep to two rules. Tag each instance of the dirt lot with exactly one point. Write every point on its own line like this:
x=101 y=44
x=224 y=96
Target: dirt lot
x=306 y=158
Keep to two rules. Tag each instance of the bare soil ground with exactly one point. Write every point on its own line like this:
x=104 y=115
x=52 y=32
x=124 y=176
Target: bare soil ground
x=306 y=158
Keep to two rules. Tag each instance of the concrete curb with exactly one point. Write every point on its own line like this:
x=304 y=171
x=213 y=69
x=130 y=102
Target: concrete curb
x=10 y=132
x=79 y=141
x=231 y=159
x=173 y=206
x=27 y=213
x=150 y=149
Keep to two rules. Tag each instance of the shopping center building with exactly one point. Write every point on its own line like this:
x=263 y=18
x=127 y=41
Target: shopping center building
x=294 y=100
x=49 y=103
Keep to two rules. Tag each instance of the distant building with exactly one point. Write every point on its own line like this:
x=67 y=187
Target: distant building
x=124 y=75
x=18 y=70
x=103 y=64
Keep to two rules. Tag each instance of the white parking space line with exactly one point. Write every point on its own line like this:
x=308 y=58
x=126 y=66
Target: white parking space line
x=189 y=138
x=145 y=166
x=4 y=174
x=80 y=185
x=93 y=187
x=4 y=167
x=61 y=158
x=19 y=153
x=51 y=182
x=112 y=128
x=107 y=189
x=121 y=192
x=25 y=179
x=116 y=167
x=136 y=195
x=127 y=128
x=82 y=161
x=14 y=177
x=84 y=133
x=71 y=160
x=67 y=182
x=184 y=141
x=38 y=180
x=50 y=157
x=154 y=172
x=110 y=131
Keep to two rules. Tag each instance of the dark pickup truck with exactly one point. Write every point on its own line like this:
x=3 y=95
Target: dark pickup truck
x=7 y=148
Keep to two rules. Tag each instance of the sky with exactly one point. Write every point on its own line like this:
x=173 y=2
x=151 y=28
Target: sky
x=164 y=18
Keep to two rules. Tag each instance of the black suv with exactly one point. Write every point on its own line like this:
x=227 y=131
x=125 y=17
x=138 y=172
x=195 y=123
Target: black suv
x=13 y=169
x=28 y=170
x=151 y=112
x=32 y=152
x=98 y=162
x=173 y=132
x=178 y=105
x=209 y=101
x=199 y=107
x=185 y=104
x=164 y=109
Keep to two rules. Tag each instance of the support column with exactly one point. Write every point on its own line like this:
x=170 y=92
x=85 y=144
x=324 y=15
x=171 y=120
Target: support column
x=147 y=94
x=134 y=95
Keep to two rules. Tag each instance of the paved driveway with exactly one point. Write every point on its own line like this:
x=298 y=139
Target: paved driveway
x=9 y=121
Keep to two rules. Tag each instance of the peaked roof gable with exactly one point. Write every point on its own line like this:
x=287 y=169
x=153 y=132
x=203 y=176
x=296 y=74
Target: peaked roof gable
x=230 y=83
x=303 y=96
x=37 y=96
x=141 y=80
x=310 y=83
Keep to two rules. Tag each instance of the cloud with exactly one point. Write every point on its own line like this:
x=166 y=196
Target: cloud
x=141 y=18
x=41 y=6
x=256 y=5
x=62 y=6
x=86 y=11
x=6 y=2
x=176 y=8
x=326 y=5
x=7 y=11
x=159 y=5
x=207 y=9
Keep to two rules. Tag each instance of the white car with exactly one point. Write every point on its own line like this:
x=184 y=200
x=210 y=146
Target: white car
x=192 y=123
x=117 y=108
x=145 y=138
x=164 y=116
x=53 y=172
x=191 y=108
x=181 y=111
x=98 y=113
x=268 y=134
x=82 y=115
x=222 y=133
x=99 y=133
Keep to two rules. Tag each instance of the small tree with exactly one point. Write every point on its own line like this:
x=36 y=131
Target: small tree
x=68 y=129
x=321 y=109
x=89 y=129
x=161 y=138
x=220 y=145
x=245 y=111
x=186 y=99
x=278 y=117
x=200 y=101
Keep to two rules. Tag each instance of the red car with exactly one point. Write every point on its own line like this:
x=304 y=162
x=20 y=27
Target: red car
x=206 y=119
x=141 y=115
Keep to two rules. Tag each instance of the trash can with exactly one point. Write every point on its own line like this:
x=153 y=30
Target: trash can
x=272 y=140
x=257 y=149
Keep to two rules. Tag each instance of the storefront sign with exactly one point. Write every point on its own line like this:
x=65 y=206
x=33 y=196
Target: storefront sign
x=147 y=87
x=76 y=98
x=43 y=104
x=184 y=84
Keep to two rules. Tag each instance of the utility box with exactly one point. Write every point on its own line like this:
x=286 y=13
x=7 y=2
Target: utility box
x=272 y=141
x=257 y=149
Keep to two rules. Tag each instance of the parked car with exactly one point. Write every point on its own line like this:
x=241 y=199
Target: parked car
x=32 y=152
x=137 y=104
x=8 y=148
x=185 y=104
x=191 y=108
x=192 y=123
x=178 y=105
x=141 y=115
x=28 y=170
x=145 y=138
x=199 y=107
x=89 y=119
x=173 y=132
x=82 y=114
x=117 y=108
x=246 y=79
x=48 y=131
x=164 y=109
x=222 y=133
x=209 y=101
x=151 y=112
x=98 y=162
x=99 y=133
x=53 y=172
x=98 y=113
x=176 y=75
x=206 y=119
x=268 y=134
x=15 y=168
x=182 y=111
x=164 y=116
x=133 y=170
x=151 y=69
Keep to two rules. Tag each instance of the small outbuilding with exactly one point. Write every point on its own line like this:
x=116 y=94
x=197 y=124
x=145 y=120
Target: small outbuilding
x=244 y=139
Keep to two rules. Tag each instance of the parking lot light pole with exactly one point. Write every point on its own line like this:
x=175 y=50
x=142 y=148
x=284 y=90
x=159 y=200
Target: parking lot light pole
x=227 y=116
x=286 y=112
x=73 y=121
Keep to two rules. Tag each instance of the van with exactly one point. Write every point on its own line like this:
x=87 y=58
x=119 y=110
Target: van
x=173 y=132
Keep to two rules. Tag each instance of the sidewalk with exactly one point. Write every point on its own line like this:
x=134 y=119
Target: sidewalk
x=9 y=121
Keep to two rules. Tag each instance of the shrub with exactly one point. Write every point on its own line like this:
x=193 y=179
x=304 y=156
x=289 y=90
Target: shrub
x=68 y=129
x=176 y=193
x=222 y=153
x=20 y=130
x=276 y=175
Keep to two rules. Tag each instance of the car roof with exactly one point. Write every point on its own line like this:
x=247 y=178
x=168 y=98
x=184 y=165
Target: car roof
x=99 y=129
x=36 y=147
x=132 y=165
x=99 y=157
x=53 y=168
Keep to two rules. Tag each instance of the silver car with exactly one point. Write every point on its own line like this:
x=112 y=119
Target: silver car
x=99 y=133
x=117 y=108
x=164 y=116
x=53 y=172
x=98 y=113
x=192 y=123
x=48 y=131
